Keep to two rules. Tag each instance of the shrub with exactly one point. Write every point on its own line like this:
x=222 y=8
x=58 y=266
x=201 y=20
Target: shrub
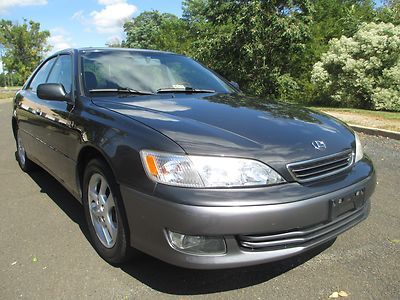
x=362 y=71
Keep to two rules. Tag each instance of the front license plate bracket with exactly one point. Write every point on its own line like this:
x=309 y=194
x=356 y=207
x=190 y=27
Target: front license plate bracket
x=341 y=205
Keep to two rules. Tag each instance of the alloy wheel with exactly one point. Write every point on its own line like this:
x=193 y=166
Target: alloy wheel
x=21 y=151
x=102 y=210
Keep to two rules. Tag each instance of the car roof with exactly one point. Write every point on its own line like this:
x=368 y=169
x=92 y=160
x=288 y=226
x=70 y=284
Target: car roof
x=95 y=49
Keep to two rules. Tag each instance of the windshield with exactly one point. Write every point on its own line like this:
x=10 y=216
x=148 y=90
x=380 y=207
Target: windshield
x=146 y=72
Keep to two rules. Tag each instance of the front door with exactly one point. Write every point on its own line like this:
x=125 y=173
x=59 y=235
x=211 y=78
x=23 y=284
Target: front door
x=57 y=131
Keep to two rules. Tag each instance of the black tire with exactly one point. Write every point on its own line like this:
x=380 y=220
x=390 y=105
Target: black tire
x=119 y=251
x=24 y=162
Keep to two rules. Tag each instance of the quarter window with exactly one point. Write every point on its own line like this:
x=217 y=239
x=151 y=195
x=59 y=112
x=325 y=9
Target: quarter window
x=62 y=72
x=42 y=74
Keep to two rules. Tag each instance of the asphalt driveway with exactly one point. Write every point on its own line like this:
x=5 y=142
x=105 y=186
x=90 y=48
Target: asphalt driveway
x=45 y=253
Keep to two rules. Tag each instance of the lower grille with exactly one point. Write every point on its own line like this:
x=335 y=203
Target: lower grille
x=300 y=237
x=319 y=168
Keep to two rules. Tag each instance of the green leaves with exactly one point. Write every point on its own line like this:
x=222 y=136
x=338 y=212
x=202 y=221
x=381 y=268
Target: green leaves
x=251 y=42
x=158 y=31
x=25 y=45
x=363 y=70
x=394 y=241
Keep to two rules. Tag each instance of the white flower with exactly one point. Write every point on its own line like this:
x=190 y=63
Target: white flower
x=365 y=67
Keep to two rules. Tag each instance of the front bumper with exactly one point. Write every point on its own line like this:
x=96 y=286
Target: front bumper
x=254 y=234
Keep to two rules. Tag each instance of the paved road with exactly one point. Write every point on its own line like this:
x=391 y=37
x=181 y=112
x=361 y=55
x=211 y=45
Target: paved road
x=45 y=254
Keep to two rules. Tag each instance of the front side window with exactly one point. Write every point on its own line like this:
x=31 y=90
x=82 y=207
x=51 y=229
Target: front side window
x=62 y=72
x=42 y=74
x=146 y=71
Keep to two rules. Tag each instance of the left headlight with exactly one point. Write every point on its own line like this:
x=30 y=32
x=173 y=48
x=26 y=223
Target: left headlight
x=359 y=149
x=206 y=171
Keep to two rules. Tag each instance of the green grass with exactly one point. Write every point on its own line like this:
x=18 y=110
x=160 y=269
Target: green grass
x=372 y=113
x=13 y=88
x=9 y=92
x=7 y=95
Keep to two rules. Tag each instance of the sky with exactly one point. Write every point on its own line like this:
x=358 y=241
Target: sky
x=82 y=23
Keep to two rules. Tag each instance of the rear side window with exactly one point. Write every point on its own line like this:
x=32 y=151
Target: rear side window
x=42 y=74
x=62 y=72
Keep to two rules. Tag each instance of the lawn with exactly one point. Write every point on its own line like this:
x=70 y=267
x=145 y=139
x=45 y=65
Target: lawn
x=6 y=95
x=9 y=92
x=369 y=118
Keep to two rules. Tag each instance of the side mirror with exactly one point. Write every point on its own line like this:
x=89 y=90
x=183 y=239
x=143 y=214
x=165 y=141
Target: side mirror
x=52 y=91
x=235 y=85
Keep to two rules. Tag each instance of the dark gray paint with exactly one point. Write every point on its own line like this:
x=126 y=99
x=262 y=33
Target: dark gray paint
x=56 y=132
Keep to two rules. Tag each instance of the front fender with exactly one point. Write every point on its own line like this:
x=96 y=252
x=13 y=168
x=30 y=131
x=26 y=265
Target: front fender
x=119 y=140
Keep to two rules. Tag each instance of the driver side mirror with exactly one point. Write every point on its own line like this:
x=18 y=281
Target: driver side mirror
x=52 y=91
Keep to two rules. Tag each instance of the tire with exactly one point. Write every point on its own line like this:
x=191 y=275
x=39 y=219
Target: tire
x=24 y=162
x=104 y=213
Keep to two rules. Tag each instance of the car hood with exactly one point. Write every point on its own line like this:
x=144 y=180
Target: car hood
x=236 y=125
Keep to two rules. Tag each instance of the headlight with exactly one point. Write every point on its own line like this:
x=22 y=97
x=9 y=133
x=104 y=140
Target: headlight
x=359 y=149
x=206 y=171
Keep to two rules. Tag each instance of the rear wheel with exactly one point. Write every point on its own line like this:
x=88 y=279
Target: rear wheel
x=24 y=162
x=104 y=213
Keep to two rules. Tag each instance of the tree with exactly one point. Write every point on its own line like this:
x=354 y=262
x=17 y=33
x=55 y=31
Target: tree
x=173 y=35
x=8 y=79
x=25 y=46
x=334 y=18
x=255 y=43
x=155 y=30
x=363 y=70
x=114 y=42
x=330 y=19
x=390 y=12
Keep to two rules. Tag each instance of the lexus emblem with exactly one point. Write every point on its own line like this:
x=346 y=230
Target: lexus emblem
x=319 y=145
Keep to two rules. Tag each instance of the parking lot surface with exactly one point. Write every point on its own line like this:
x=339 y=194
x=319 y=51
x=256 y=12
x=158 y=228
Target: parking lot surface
x=45 y=253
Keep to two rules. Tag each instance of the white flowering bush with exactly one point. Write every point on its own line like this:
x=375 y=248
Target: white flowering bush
x=363 y=70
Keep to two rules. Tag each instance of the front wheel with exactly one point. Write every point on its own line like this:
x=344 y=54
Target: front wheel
x=104 y=213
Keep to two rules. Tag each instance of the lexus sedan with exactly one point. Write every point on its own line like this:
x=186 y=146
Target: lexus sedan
x=171 y=159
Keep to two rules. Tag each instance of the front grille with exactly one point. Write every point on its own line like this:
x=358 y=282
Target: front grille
x=301 y=237
x=322 y=167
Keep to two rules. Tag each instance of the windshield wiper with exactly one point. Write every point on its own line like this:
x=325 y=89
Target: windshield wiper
x=183 y=90
x=121 y=90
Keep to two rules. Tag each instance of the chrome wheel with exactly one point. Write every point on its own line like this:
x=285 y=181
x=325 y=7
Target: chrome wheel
x=102 y=210
x=21 y=151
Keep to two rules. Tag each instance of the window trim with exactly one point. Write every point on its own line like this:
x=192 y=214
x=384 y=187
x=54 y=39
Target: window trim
x=72 y=71
x=56 y=56
x=29 y=82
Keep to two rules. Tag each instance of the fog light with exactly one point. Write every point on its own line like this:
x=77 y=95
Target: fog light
x=197 y=244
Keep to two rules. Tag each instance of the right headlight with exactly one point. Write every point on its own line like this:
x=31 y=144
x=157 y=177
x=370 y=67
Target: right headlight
x=359 y=149
x=206 y=171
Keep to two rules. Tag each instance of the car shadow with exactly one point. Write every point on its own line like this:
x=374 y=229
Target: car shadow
x=167 y=278
x=61 y=197
x=170 y=279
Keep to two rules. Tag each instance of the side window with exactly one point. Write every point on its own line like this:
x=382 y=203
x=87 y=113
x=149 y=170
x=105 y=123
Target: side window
x=62 y=72
x=41 y=75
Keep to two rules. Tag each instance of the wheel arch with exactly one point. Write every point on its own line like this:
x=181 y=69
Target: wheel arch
x=86 y=154
x=14 y=126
